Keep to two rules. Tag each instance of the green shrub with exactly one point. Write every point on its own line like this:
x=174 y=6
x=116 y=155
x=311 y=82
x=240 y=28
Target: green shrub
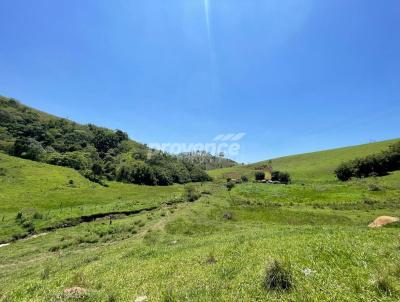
x=191 y=193
x=19 y=216
x=282 y=177
x=230 y=185
x=344 y=172
x=28 y=226
x=37 y=215
x=373 y=165
x=29 y=148
x=244 y=178
x=259 y=175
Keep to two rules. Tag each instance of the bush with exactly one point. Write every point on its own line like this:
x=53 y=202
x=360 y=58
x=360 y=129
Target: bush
x=344 y=172
x=260 y=175
x=282 y=177
x=244 y=178
x=374 y=165
x=37 y=215
x=199 y=175
x=28 y=148
x=230 y=185
x=278 y=277
x=163 y=176
x=285 y=178
x=191 y=193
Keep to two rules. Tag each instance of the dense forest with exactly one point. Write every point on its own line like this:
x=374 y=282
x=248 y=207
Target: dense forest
x=98 y=153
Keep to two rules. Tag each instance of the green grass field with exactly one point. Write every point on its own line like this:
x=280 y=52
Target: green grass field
x=56 y=193
x=214 y=249
x=308 y=167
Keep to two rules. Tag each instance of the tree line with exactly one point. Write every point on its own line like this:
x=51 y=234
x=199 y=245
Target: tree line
x=379 y=164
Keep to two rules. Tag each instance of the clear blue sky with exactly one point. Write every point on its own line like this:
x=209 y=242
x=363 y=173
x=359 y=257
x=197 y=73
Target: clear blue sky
x=296 y=76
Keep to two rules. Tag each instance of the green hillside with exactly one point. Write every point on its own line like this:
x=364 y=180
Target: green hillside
x=308 y=167
x=97 y=153
x=218 y=248
x=58 y=193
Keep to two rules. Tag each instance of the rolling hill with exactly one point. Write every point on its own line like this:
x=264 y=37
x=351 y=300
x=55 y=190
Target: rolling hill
x=55 y=194
x=308 y=167
x=97 y=153
x=146 y=242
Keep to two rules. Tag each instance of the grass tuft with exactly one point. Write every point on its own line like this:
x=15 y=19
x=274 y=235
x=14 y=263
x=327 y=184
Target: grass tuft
x=278 y=276
x=384 y=285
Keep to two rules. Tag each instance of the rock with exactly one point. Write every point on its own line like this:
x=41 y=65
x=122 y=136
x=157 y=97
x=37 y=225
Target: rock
x=141 y=299
x=383 y=220
x=75 y=292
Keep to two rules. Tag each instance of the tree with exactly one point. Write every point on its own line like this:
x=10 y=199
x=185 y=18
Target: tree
x=28 y=148
x=282 y=177
x=163 y=176
x=260 y=175
x=345 y=171
x=244 y=178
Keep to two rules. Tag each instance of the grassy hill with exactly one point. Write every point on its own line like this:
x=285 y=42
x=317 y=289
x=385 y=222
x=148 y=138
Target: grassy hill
x=308 y=167
x=57 y=193
x=218 y=248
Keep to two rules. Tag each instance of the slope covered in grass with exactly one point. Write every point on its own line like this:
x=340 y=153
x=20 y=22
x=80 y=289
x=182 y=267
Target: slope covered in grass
x=56 y=193
x=214 y=249
x=190 y=252
x=308 y=167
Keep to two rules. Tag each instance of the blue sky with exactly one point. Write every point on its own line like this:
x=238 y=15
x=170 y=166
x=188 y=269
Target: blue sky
x=295 y=76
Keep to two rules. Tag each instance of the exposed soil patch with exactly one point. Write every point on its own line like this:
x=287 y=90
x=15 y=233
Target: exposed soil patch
x=75 y=293
x=383 y=220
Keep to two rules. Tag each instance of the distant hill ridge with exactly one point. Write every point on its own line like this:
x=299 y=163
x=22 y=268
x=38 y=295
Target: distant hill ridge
x=207 y=161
